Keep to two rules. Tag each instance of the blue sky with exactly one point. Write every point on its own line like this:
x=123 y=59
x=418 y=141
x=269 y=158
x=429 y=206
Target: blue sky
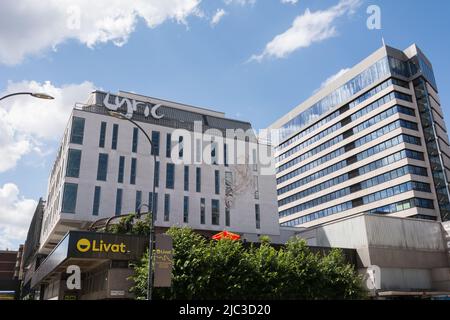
x=177 y=53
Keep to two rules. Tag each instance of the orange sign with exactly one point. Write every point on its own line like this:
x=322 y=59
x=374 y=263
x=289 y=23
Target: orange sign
x=226 y=235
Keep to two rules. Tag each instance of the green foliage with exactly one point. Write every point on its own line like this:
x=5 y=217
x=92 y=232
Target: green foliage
x=128 y=225
x=226 y=269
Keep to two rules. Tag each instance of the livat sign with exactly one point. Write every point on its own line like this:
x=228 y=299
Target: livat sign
x=132 y=106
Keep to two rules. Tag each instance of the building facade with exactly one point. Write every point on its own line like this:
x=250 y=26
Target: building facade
x=104 y=168
x=373 y=141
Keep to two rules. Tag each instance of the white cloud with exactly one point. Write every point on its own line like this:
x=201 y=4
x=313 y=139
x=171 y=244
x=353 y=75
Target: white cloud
x=27 y=123
x=40 y=25
x=220 y=13
x=332 y=78
x=15 y=216
x=308 y=28
x=289 y=1
x=240 y=2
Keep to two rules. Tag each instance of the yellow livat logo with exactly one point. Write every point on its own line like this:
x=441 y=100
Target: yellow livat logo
x=84 y=245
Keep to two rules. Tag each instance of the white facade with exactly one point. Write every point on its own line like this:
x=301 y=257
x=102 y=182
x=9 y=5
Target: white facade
x=250 y=189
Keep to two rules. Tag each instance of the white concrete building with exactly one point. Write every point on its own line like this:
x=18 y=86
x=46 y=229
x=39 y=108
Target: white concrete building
x=104 y=168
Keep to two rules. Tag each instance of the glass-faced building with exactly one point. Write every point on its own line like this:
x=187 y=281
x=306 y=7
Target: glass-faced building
x=206 y=175
x=373 y=141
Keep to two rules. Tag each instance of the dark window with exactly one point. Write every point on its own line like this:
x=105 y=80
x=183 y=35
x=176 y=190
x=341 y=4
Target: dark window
x=150 y=203
x=155 y=141
x=119 y=202
x=186 y=209
x=73 y=163
x=157 y=174
x=168 y=145
x=202 y=211
x=257 y=216
x=213 y=152
x=101 y=142
x=138 y=200
x=121 y=169
x=180 y=147
x=198 y=180
x=69 y=201
x=170 y=176
x=227 y=217
x=114 y=136
x=225 y=155
x=102 y=168
x=133 y=171
x=217 y=181
x=215 y=212
x=135 y=139
x=77 y=132
x=96 y=205
x=186 y=178
x=166 y=207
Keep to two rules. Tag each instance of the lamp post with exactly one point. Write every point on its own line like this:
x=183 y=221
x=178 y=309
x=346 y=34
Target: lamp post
x=152 y=221
x=33 y=94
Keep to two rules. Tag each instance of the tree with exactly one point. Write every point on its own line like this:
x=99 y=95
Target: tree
x=226 y=269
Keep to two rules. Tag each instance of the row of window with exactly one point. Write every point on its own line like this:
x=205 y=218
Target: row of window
x=383 y=162
x=362 y=126
x=341 y=110
x=402 y=188
x=378 y=70
x=357 y=143
x=380 y=102
x=70 y=200
x=366 y=184
x=335 y=167
x=404 y=205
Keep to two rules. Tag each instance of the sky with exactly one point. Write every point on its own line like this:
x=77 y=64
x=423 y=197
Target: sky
x=253 y=59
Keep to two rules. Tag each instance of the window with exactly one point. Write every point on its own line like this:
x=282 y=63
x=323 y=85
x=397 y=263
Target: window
x=114 y=136
x=121 y=169
x=202 y=211
x=217 y=181
x=225 y=155
x=77 y=131
x=96 y=205
x=102 y=168
x=73 y=163
x=101 y=142
x=198 y=179
x=255 y=160
x=157 y=174
x=227 y=217
x=186 y=178
x=180 y=147
x=135 y=140
x=150 y=203
x=166 y=207
x=170 y=176
x=69 y=198
x=213 y=152
x=228 y=183
x=215 y=213
x=138 y=201
x=186 y=209
x=118 y=202
x=257 y=216
x=168 y=145
x=133 y=171
x=155 y=140
x=256 y=185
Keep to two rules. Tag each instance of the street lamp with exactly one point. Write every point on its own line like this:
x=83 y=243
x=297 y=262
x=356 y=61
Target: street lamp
x=118 y=115
x=33 y=94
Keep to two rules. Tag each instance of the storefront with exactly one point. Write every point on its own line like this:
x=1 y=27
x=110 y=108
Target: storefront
x=100 y=260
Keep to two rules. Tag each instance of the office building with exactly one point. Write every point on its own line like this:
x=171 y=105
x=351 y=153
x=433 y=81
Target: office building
x=373 y=141
x=104 y=168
